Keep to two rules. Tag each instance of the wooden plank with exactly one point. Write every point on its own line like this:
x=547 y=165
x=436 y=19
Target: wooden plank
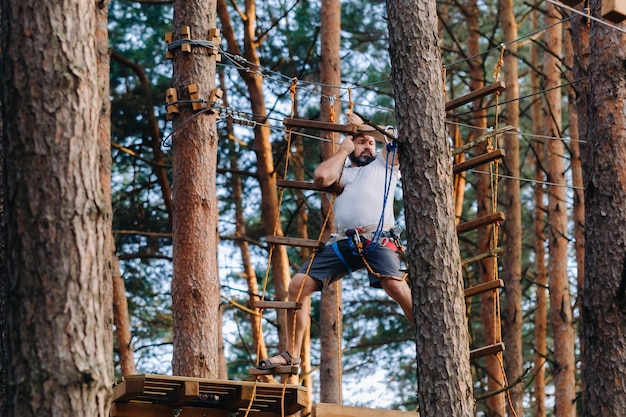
x=306 y=185
x=277 y=304
x=479 y=222
x=336 y=410
x=486 y=351
x=294 y=241
x=158 y=410
x=475 y=95
x=478 y=161
x=484 y=287
x=491 y=253
x=613 y=10
x=317 y=125
x=128 y=389
x=185 y=392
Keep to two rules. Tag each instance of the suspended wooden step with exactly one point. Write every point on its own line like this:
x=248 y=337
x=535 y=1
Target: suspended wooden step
x=488 y=254
x=484 y=287
x=167 y=396
x=571 y=3
x=479 y=222
x=486 y=351
x=306 y=185
x=279 y=370
x=614 y=10
x=478 y=161
x=294 y=241
x=277 y=304
x=475 y=95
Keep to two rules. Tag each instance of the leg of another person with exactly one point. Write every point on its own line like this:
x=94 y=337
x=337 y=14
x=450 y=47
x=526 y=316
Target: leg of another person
x=399 y=290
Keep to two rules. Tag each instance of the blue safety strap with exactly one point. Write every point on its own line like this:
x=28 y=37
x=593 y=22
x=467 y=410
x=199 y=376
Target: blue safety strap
x=340 y=256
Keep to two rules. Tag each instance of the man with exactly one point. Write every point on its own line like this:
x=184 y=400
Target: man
x=363 y=218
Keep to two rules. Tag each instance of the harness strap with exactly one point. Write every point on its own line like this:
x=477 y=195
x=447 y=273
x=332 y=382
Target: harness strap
x=341 y=257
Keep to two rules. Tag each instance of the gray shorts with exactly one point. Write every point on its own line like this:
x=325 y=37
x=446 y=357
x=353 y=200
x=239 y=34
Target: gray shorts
x=328 y=267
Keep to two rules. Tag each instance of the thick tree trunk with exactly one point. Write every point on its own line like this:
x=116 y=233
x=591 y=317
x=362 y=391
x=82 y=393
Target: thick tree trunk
x=58 y=217
x=512 y=317
x=560 y=299
x=443 y=369
x=331 y=312
x=195 y=283
x=604 y=165
x=279 y=262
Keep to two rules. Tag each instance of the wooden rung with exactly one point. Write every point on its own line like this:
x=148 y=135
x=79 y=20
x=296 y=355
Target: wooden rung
x=486 y=351
x=475 y=95
x=294 y=241
x=478 y=161
x=317 y=125
x=306 y=185
x=481 y=221
x=491 y=253
x=614 y=10
x=484 y=287
x=279 y=370
x=277 y=304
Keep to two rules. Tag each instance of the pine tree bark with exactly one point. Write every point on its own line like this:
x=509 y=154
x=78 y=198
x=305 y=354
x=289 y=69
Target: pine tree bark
x=603 y=161
x=331 y=312
x=443 y=369
x=560 y=313
x=58 y=217
x=195 y=282
x=512 y=317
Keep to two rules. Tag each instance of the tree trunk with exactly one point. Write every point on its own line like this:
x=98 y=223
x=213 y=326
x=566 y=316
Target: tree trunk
x=58 y=216
x=512 y=317
x=279 y=262
x=331 y=312
x=443 y=369
x=539 y=237
x=195 y=283
x=560 y=314
x=604 y=164
x=122 y=321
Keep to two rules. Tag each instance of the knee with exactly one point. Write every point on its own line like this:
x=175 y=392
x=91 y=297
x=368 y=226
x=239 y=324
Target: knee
x=302 y=285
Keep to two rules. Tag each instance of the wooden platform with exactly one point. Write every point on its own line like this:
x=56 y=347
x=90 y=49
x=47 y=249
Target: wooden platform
x=149 y=395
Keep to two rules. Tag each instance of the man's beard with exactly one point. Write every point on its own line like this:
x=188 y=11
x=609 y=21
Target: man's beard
x=362 y=160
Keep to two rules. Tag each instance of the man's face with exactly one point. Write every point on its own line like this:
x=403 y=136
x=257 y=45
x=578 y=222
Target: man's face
x=364 y=150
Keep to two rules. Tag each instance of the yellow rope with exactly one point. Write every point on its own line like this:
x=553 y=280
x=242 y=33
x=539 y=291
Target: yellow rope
x=496 y=71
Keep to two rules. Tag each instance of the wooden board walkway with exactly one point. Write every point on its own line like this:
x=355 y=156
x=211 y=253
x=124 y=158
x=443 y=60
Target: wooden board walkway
x=150 y=395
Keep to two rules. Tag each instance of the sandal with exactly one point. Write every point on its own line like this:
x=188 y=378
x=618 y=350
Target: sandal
x=268 y=364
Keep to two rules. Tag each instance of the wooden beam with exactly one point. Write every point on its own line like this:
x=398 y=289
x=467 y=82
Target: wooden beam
x=484 y=287
x=479 y=222
x=158 y=410
x=185 y=392
x=306 y=185
x=294 y=241
x=128 y=389
x=277 y=304
x=478 y=161
x=475 y=95
x=614 y=10
x=316 y=125
x=486 y=351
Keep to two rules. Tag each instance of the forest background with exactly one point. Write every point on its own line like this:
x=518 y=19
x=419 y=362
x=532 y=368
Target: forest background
x=540 y=102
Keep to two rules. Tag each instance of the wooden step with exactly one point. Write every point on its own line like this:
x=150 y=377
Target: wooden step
x=277 y=304
x=478 y=161
x=279 y=370
x=294 y=241
x=317 y=125
x=486 y=351
x=475 y=95
x=491 y=253
x=479 y=222
x=306 y=185
x=484 y=287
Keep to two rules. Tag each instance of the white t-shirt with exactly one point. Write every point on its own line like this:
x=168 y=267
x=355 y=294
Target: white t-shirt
x=361 y=202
